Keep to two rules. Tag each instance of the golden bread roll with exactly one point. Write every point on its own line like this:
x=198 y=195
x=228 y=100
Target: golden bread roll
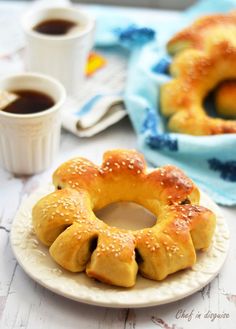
x=204 y=32
x=65 y=221
x=205 y=55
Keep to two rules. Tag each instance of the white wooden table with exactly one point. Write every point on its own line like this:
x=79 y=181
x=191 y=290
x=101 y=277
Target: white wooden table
x=25 y=304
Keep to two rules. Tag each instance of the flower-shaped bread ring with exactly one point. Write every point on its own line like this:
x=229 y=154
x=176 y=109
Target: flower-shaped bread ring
x=206 y=55
x=79 y=241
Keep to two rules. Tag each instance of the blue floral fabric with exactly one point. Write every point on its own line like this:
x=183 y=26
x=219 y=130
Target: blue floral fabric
x=209 y=160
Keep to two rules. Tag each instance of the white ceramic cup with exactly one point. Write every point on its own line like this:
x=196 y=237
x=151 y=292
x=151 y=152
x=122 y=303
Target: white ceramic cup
x=60 y=56
x=29 y=142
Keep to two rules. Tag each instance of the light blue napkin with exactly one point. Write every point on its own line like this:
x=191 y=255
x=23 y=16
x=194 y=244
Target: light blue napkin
x=209 y=160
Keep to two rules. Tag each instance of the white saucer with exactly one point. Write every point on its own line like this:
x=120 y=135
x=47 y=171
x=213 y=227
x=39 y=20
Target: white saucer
x=37 y=263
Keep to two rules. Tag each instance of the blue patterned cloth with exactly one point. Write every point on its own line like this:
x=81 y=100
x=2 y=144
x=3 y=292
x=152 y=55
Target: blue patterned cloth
x=209 y=160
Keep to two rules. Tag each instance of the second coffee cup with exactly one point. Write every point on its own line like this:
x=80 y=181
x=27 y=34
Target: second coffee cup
x=58 y=41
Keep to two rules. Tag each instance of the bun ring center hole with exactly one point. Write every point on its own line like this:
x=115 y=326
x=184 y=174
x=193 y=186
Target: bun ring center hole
x=126 y=215
x=218 y=107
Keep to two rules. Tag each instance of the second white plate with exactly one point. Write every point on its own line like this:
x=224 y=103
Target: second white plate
x=34 y=258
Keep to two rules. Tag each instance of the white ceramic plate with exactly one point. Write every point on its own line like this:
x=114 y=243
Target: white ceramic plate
x=37 y=263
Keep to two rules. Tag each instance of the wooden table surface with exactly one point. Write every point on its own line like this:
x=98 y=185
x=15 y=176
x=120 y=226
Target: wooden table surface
x=25 y=304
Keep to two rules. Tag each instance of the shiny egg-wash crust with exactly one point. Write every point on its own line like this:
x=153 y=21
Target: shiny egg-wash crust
x=204 y=56
x=64 y=220
x=204 y=31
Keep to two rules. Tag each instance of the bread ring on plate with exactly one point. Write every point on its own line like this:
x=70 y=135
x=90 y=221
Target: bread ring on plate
x=65 y=221
x=200 y=64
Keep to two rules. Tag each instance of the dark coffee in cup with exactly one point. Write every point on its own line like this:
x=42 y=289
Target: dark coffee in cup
x=55 y=26
x=29 y=102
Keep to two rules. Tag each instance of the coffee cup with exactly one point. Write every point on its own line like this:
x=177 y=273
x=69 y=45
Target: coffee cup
x=29 y=141
x=60 y=55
